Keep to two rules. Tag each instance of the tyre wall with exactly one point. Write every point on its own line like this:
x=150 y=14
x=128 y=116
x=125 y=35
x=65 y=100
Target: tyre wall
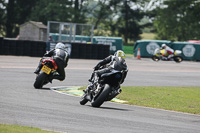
x=38 y=49
x=22 y=47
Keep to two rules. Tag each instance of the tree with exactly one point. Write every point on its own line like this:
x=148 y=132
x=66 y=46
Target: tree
x=128 y=21
x=179 y=20
x=2 y=17
x=16 y=12
x=80 y=8
x=119 y=17
x=51 y=10
x=10 y=20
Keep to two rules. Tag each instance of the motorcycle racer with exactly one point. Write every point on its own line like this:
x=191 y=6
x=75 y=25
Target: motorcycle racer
x=61 y=57
x=169 y=53
x=112 y=62
x=106 y=79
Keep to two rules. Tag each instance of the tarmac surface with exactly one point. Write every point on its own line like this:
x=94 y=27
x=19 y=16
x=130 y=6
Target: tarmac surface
x=21 y=104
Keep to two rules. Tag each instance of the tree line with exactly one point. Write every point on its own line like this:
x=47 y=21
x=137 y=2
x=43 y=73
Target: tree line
x=169 y=19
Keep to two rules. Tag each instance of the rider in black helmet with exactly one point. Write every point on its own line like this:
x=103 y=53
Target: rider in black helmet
x=61 y=57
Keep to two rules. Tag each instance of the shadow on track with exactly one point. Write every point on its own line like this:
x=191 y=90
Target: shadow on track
x=110 y=108
x=43 y=89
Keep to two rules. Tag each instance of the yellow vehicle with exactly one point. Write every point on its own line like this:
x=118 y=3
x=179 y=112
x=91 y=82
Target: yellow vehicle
x=159 y=52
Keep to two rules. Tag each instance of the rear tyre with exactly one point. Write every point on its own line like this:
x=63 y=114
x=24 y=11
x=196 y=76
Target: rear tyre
x=178 y=59
x=155 y=58
x=40 y=80
x=99 y=100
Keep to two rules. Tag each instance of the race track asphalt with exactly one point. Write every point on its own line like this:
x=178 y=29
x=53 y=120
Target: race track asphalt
x=21 y=104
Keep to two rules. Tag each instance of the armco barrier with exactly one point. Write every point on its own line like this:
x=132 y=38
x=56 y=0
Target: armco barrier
x=190 y=51
x=38 y=48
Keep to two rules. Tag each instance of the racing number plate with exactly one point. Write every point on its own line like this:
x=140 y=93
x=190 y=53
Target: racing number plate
x=46 y=69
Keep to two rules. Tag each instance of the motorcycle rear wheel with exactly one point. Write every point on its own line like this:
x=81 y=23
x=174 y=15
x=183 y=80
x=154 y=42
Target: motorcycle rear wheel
x=178 y=59
x=155 y=58
x=40 y=80
x=99 y=100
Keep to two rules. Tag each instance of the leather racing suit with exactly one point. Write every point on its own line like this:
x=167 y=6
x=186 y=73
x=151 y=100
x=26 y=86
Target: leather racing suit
x=61 y=58
x=168 y=52
x=112 y=63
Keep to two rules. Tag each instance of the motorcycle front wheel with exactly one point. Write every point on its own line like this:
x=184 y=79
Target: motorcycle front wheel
x=83 y=100
x=40 y=80
x=155 y=58
x=99 y=100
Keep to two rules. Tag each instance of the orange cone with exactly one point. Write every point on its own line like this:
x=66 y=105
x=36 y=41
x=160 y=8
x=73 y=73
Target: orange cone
x=138 y=54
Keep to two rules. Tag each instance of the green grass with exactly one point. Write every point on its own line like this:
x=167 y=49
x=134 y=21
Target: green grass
x=4 y=128
x=182 y=99
x=128 y=50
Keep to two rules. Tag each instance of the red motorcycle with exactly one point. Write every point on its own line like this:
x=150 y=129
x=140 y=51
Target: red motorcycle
x=45 y=76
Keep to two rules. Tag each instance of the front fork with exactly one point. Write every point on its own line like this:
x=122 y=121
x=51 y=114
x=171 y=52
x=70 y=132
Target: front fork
x=92 y=91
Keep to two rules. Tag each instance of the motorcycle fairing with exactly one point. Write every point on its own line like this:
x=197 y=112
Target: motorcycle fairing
x=52 y=61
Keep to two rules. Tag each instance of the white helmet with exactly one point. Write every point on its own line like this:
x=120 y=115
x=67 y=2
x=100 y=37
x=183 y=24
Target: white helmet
x=164 y=45
x=120 y=53
x=60 y=46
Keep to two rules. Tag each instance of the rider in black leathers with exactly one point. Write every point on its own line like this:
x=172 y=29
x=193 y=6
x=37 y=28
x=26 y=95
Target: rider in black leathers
x=112 y=62
x=61 y=57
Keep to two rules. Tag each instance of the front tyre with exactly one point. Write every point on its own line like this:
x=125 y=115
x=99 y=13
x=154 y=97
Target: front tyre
x=155 y=58
x=83 y=100
x=99 y=100
x=178 y=59
x=40 y=80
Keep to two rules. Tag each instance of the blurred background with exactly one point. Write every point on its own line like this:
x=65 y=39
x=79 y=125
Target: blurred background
x=125 y=20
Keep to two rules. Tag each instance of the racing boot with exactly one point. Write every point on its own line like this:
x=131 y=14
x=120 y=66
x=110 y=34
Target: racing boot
x=37 y=71
x=170 y=56
x=164 y=58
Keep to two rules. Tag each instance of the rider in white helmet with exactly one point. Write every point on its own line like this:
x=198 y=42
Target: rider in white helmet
x=169 y=53
x=61 y=57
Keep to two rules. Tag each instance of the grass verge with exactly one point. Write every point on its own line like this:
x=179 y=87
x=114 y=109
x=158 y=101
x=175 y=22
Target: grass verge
x=181 y=99
x=4 y=128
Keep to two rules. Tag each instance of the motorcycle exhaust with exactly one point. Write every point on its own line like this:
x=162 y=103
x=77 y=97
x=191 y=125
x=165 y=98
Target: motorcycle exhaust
x=114 y=94
x=119 y=91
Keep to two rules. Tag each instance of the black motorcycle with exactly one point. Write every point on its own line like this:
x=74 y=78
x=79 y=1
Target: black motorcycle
x=103 y=88
x=48 y=69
